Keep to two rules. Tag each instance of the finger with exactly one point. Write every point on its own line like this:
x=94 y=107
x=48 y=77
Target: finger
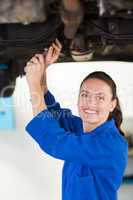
x=29 y=63
x=30 y=67
x=58 y=43
x=50 y=52
x=33 y=66
x=56 y=47
x=55 y=55
x=40 y=58
x=37 y=62
x=34 y=60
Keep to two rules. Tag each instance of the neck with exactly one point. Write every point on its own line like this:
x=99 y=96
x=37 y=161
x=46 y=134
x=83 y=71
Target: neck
x=88 y=127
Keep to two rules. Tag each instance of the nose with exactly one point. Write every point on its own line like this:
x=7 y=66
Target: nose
x=92 y=100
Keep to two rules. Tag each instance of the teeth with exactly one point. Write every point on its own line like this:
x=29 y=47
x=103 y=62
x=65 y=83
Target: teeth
x=90 y=111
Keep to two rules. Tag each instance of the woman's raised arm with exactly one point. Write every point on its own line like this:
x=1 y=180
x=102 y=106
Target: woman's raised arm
x=36 y=75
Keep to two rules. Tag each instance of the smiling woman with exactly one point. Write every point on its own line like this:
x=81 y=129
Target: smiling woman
x=98 y=99
x=93 y=146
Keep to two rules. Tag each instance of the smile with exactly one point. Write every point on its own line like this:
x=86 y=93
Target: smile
x=90 y=111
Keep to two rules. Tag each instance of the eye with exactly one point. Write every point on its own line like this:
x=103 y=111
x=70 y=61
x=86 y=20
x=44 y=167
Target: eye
x=100 y=98
x=83 y=95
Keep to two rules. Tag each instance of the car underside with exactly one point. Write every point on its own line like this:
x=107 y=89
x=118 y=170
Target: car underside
x=29 y=27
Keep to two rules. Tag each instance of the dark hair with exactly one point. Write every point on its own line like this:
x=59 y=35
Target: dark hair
x=117 y=113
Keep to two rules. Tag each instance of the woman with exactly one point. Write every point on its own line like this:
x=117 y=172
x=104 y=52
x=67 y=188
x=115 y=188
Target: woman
x=92 y=145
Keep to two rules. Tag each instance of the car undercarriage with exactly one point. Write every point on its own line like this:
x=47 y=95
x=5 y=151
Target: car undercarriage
x=29 y=27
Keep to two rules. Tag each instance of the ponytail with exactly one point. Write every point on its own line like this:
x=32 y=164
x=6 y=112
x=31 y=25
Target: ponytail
x=117 y=116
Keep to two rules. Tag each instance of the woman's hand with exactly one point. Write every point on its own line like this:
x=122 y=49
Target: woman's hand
x=53 y=53
x=36 y=75
x=36 y=68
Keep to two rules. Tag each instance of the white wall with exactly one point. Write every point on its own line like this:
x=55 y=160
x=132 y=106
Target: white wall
x=64 y=82
x=26 y=173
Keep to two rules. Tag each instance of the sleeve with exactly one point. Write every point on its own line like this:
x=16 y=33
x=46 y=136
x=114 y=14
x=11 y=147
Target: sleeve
x=63 y=115
x=65 y=145
x=51 y=102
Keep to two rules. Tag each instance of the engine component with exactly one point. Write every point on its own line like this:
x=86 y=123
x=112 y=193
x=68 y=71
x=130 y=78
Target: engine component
x=21 y=11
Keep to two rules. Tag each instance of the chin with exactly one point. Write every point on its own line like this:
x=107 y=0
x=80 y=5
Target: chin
x=93 y=120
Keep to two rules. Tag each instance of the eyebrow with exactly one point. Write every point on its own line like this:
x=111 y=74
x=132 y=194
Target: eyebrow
x=97 y=93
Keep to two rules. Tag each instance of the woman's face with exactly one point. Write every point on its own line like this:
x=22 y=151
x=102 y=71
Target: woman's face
x=95 y=102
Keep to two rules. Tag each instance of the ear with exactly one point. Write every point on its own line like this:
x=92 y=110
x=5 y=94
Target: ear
x=113 y=105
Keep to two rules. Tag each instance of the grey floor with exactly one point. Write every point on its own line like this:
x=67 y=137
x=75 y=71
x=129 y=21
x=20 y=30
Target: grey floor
x=126 y=192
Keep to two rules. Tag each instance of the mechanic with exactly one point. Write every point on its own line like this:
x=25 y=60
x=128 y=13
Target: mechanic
x=93 y=146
